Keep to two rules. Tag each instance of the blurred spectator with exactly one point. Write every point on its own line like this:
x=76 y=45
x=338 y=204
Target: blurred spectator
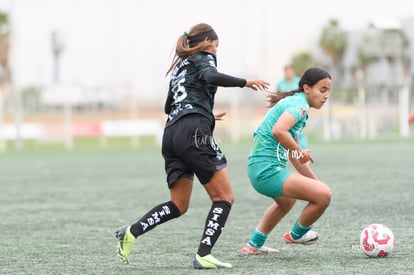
x=289 y=82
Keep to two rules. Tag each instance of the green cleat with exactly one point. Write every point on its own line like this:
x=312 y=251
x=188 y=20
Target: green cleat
x=208 y=262
x=125 y=242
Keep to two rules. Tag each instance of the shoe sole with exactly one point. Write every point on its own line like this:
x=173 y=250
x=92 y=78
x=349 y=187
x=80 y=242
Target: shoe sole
x=121 y=256
x=304 y=243
x=119 y=235
x=247 y=253
x=198 y=265
x=259 y=253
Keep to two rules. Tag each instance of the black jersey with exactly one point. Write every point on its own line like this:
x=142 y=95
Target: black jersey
x=190 y=92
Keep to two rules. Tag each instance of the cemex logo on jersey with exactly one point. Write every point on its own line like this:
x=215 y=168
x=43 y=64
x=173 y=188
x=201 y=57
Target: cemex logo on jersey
x=212 y=226
x=155 y=217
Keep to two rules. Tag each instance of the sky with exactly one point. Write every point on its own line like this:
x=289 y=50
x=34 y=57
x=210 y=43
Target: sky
x=127 y=45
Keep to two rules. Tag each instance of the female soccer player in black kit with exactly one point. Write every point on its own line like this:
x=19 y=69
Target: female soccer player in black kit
x=188 y=146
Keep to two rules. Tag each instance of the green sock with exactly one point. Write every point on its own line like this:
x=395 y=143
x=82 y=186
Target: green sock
x=257 y=239
x=298 y=230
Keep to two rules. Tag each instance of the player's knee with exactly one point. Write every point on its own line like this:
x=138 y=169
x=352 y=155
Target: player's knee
x=182 y=206
x=286 y=206
x=183 y=210
x=221 y=195
x=231 y=199
x=326 y=198
x=225 y=197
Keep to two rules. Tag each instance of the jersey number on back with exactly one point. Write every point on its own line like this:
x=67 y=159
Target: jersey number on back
x=178 y=88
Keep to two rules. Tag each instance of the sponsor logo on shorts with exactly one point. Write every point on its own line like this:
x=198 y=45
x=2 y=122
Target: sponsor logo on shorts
x=202 y=139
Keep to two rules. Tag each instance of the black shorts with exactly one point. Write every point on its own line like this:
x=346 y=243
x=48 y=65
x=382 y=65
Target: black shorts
x=189 y=148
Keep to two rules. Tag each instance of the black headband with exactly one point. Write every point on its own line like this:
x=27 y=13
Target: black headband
x=194 y=40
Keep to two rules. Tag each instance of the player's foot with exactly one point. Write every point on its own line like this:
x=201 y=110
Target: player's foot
x=309 y=238
x=248 y=250
x=208 y=262
x=125 y=242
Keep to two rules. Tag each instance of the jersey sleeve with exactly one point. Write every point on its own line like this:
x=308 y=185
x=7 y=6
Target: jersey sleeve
x=299 y=112
x=223 y=80
x=203 y=63
x=207 y=70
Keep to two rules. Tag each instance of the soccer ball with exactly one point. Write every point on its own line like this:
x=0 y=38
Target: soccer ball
x=377 y=240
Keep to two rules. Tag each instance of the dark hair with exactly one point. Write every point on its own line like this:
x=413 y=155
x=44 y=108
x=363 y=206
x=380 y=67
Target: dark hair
x=310 y=77
x=198 y=38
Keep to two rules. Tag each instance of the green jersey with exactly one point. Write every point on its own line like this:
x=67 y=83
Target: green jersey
x=188 y=91
x=265 y=144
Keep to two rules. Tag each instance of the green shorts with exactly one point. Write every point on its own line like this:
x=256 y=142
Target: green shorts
x=267 y=178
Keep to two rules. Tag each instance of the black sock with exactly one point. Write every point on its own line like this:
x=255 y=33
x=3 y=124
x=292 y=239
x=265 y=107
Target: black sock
x=158 y=215
x=215 y=222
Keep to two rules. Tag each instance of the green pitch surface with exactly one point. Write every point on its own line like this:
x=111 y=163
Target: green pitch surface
x=59 y=211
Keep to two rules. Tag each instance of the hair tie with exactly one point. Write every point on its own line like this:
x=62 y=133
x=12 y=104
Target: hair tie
x=186 y=34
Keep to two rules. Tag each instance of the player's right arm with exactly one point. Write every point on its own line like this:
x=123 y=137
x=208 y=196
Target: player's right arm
x=281 y=132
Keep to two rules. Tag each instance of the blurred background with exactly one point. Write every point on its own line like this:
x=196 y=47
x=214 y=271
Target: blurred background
x=73 y=69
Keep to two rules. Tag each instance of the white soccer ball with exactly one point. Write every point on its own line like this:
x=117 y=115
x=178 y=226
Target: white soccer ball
x=377 y=240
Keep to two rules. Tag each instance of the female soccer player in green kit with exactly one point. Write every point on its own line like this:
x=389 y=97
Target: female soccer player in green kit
x=275 y=141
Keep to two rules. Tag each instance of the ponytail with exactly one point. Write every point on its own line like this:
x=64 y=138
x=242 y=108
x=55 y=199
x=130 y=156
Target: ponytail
x=182 y=44
x=275 y=98
x=198 y=39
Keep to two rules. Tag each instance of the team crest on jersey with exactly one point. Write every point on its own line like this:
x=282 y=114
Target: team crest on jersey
x=302 y=111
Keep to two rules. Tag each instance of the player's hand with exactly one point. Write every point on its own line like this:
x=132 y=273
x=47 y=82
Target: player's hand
x=257 y=84
x=219 y=116
x=305 y=156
